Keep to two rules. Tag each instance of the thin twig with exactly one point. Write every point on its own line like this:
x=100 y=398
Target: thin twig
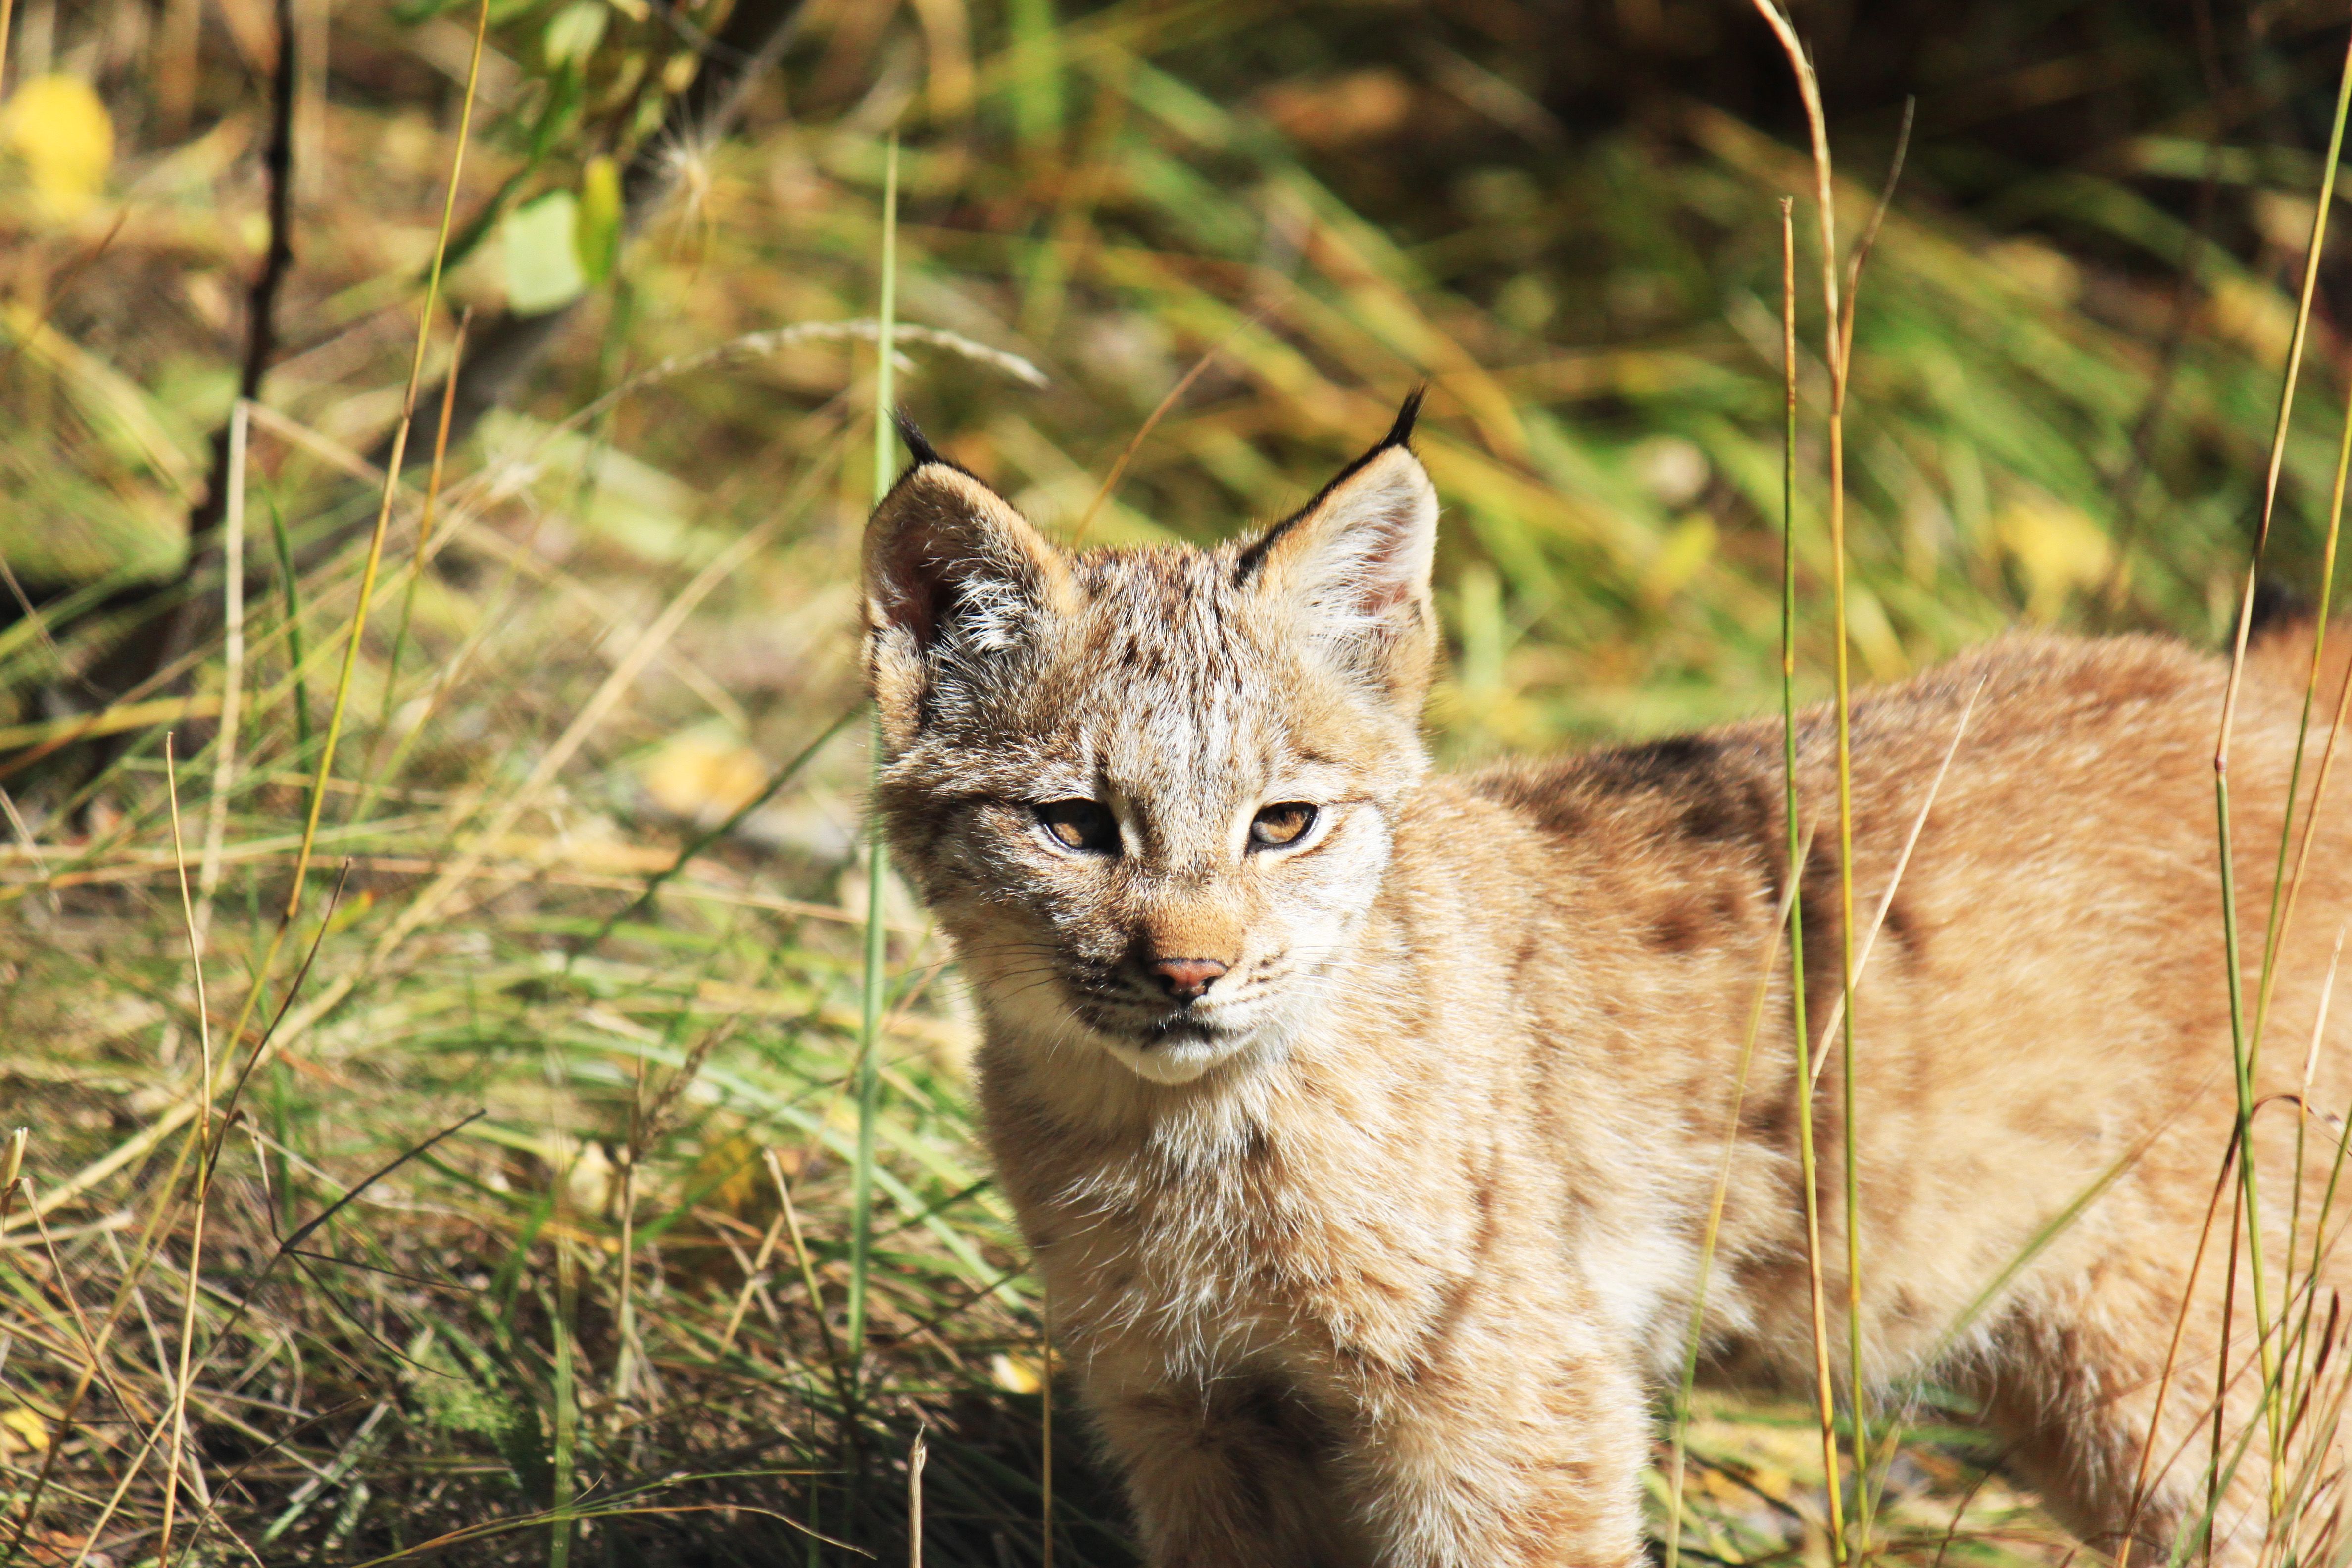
x=202 y=1134
x=1119 y=469
x=172 y=638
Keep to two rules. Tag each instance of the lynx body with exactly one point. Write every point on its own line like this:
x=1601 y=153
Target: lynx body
x=1365 y=1120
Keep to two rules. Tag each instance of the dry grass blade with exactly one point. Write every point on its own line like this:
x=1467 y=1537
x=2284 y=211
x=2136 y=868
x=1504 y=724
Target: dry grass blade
x=423 y=553
x=176 y=1422
x=1824 y=1389
x=1711 y=1232
x=1894 y=879
x=916 y=1456
x=1835 y=351
x=482 y=842
x=2245 y=1044
x=240 y=424
x=1185 y=190
x=375 y=540
x=1174 y=395
x=12 y=1169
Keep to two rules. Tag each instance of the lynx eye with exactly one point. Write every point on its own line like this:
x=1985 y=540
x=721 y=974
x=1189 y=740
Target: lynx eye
x=1084 y=825
x=1278 y=827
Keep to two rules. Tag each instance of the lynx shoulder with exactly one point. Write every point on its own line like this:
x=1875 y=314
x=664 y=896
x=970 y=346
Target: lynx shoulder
x=1365 y=1120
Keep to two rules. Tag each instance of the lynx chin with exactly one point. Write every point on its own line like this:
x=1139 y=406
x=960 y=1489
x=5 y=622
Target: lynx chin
x=1364 y=1119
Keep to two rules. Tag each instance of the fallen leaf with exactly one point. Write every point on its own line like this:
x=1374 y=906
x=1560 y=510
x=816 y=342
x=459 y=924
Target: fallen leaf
x=22 y=1431
x=1015 y=1375
x=542 y=254
x=59 y=132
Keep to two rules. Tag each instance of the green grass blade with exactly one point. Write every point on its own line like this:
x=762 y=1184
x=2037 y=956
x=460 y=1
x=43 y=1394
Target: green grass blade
x=870 y=999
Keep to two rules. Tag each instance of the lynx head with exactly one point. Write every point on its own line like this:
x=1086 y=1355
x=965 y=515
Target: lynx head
x=1150 y=792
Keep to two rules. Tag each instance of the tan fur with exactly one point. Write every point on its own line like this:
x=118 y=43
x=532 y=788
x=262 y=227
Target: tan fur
x=1378 y=1252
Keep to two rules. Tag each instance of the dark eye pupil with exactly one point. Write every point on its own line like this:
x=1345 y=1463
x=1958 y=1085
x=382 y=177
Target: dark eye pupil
x=1080 y=824
x=1280 y=825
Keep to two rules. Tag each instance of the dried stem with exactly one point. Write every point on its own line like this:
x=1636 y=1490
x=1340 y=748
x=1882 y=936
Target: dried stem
x=2245 y=1042
x=1798 y=852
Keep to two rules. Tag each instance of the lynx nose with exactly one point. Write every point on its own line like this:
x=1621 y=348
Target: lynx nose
x=1187 y=979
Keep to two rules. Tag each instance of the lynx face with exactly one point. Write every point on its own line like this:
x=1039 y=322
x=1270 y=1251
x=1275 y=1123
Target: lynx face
x=1149 y=794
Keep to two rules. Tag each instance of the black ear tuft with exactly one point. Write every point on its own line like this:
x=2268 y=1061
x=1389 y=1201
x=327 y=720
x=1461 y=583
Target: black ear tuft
x=1399 y=436
x=1401 y=432
x=919 y=450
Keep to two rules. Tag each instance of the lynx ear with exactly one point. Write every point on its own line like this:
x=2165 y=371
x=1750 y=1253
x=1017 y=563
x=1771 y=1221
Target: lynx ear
x=1352 y=567
x=953 y=574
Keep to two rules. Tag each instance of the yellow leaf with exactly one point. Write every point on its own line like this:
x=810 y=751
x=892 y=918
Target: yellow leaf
x=703 y=774
x=2057 y=549
x=2257 y=316
x=541 y=255
x=60 y=132
x=733 y=1179
x=21 y=1430
x=1016 y=1374
x=597 y=233
x=1684 y=553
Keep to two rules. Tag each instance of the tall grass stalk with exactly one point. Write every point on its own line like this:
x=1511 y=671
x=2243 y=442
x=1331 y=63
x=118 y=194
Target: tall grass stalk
x=1836 y=342
x=2284 y=883
x=417 y=567
x=208 y=870
x=2293 y=1376
x=1799 y=847
x=1837 y=331
x=168 y=1194
x=564 y=1326
x=260 y=980
x=2284 y=887
x=177 y=1421
x=2143 y=1484
x=2245 y=1043
x=11 y=1168
x=874 y=982
x=143 y=1256
x=296 y=657
x=917 y=1454
x=1713 y=1230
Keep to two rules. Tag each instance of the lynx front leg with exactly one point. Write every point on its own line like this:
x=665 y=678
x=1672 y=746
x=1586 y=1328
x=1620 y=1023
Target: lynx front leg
x=1233 y=1477
x=1526 y=1455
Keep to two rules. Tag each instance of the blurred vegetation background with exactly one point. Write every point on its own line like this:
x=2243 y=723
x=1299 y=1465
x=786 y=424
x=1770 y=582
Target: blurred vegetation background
x=587 y=855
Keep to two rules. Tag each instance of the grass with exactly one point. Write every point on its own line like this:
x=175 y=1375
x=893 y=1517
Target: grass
x=590 y=1179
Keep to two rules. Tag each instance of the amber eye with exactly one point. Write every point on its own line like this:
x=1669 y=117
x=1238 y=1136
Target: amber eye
x=1080 y=824
x=1282 y=825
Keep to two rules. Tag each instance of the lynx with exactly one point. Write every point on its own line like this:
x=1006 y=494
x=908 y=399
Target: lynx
x=1364 y=1120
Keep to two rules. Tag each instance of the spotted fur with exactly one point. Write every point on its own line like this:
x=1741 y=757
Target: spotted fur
x=1376 y=1252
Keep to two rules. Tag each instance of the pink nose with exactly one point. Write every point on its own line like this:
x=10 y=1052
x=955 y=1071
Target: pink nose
x=1187 y=979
